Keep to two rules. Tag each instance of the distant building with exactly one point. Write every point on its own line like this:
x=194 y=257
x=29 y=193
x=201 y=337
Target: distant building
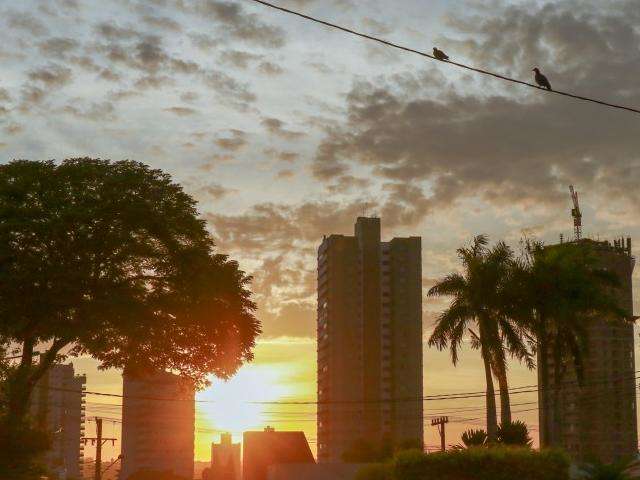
x=598 y=419
x=225 y=460
x=319 y=471
x=369 y=340
x=158 y=414
x=58 y=405
x=260 y=450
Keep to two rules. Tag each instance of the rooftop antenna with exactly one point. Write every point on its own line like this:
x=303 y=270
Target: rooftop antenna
x=576 y=214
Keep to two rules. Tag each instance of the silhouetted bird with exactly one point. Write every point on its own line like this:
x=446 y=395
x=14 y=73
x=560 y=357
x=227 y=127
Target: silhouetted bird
x=439 y=54
x=541 y=79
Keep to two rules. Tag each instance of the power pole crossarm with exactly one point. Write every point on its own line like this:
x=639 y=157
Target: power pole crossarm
x=440 y=422
x=98 y=441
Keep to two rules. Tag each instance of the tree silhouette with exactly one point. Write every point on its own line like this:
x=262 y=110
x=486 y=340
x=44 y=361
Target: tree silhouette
x=110 y=259
x=478 y=308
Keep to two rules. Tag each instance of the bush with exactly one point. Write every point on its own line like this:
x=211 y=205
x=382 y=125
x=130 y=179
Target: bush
x=500 y=463
x=381 y=471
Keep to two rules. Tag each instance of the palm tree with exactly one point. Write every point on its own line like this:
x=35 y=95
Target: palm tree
x=558 y=287
x=514 y=434
x=472 y=438
x=477 y=307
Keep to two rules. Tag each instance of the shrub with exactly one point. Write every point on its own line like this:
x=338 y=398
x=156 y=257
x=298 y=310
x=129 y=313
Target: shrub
x=500 y=463
x=382 y=471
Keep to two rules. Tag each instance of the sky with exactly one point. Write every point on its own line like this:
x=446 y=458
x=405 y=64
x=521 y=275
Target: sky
x=284 y=131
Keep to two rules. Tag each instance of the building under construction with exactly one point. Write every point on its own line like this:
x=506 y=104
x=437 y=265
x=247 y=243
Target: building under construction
x=597 y=419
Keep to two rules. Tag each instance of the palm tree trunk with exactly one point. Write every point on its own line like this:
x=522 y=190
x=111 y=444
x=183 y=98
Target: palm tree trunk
x=505 y=402
x=543 y=395
x=492 y=417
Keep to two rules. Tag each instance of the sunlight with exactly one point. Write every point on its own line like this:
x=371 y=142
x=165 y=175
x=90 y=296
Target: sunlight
x=232 y=410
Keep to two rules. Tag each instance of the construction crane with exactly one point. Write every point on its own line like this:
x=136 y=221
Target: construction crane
x=576 y=214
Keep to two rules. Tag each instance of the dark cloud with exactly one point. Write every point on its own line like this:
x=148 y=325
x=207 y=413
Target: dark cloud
x=507 y=145
x=164 y=23
x=276 y=127
x=235 y=23
x=238 y=58
x=181 y=111
x=283 y=156
x=51 y=76
x=270 y=68
x=216 y=191
x=233 y=143
x=114 y=32
x=229 y=89
x=26 y=22
x=58 y=47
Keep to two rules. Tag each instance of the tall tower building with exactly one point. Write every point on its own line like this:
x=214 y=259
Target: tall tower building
x=369 y=340
x=58 y=405
x=597 y=419
x=158 y=415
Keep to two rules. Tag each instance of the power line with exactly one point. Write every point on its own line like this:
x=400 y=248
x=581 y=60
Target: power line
x=454 y=396
x=457 y=64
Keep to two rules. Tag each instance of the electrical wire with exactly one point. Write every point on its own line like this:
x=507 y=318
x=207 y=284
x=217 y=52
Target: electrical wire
x=450 y=62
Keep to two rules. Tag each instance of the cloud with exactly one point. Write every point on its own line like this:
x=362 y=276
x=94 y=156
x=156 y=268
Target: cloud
x=181 y=111
x=216 y=191
x=270 y=68
x=98 y=112
x=57 y=47
x=26 y=22
x=508 y=144
x=164 y=23
x=235 y=23
x=235 y=142
x=276 y=127
x=238 y=58
x=51 y=76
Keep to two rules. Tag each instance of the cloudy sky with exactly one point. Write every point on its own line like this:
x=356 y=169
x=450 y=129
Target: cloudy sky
x=285 y=130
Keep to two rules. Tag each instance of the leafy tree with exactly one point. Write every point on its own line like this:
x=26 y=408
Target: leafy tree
x=559 y=288
x=110 y=259
x=515 y=433
x=479 y=303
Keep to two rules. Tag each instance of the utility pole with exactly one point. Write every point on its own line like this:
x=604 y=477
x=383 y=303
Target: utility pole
x=98 y=441
x=440 y=423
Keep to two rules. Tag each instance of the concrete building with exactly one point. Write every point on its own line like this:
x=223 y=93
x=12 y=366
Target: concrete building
x=598 y=419
x=261 y=450
x=225 y=460
x=58 y=405
x=158 y=415
x=369 y=340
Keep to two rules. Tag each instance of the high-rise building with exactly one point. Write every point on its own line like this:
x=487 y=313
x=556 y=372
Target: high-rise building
x=58 y=404
x=158 y=415
x=369 y=340
x=225 y=460
x=260 y=450
x=598 y=418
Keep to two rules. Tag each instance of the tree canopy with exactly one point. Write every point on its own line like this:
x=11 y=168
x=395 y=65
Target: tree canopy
x=110 y=259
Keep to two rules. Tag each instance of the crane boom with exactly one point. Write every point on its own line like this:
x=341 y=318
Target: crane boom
x=576 y=214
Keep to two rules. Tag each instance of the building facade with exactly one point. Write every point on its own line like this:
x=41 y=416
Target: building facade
x=158 y=415
x=262 y=450
x=369 y=327
x=597 y=420
x=58 y=406
x=225 y=460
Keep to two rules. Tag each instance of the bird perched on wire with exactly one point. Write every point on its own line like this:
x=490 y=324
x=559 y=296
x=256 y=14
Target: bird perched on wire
x=439 y=54
x=541 y=80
